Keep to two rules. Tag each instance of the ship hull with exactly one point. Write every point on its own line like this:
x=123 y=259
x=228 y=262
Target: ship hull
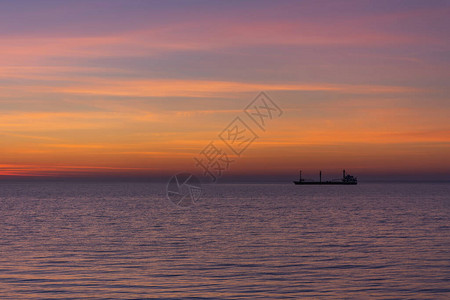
x=324 y=183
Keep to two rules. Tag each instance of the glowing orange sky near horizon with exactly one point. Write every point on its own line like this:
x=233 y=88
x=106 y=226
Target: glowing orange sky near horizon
x=85 y=94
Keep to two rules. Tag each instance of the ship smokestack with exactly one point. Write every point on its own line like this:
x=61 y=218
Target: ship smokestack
x=300 y=176
x=320 y=176
x=343 y=174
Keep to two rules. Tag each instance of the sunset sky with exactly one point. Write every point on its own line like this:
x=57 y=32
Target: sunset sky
x=140 y=88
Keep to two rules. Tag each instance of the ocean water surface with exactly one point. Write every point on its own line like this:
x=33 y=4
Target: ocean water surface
x=61 y=240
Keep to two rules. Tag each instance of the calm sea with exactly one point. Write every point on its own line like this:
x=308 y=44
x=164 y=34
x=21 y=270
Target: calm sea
x=241 y=241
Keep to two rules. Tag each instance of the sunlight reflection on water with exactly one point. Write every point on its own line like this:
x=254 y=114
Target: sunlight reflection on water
x=123 y=240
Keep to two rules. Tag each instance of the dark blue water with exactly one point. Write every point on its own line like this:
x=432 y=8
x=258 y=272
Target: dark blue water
x=124 y=241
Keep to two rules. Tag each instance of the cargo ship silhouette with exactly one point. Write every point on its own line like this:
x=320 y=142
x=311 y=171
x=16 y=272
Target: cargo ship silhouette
x=346 y=179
